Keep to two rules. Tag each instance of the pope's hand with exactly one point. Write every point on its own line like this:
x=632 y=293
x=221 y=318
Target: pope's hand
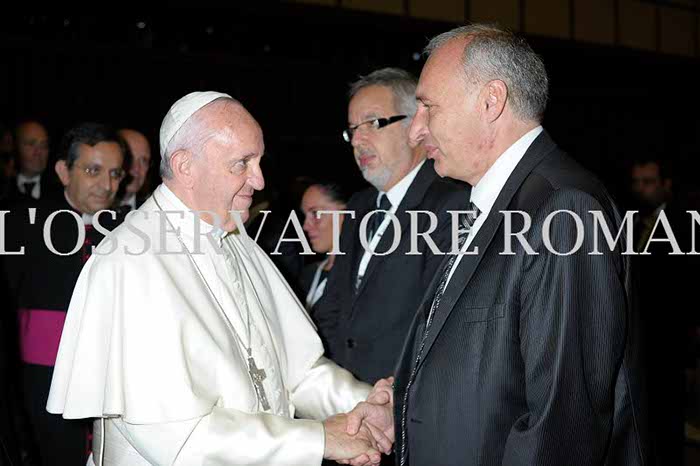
x=360 y=447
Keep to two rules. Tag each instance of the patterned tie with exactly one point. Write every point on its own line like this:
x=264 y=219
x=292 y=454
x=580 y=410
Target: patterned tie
x=466 y=222
x=377 y=218
x=375 y=221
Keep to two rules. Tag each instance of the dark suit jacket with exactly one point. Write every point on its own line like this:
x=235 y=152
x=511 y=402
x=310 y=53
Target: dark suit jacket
x=667 y=283
x=50 y=189
x=530 y=359
x=364 y=330
x=41 y=279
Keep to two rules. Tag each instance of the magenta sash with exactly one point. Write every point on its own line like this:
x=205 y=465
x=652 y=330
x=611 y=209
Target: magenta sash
x=39 y=335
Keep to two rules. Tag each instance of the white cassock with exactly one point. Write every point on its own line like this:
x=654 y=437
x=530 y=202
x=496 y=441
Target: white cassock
x=146 y=346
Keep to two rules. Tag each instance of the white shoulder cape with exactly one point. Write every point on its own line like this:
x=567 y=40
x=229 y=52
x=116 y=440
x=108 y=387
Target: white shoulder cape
x=144 y=340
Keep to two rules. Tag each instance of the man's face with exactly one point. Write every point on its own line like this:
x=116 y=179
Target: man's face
x=648 y=186
x=32 y=148
x=92 y=182
x=448 y=120
x=319 y=230
x=141 y=159
x=227 y=171
x=383 y=155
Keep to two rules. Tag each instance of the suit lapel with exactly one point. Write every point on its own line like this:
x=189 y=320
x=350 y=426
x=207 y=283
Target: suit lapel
x=357 y=249
x=542 y=146
x=414 y=196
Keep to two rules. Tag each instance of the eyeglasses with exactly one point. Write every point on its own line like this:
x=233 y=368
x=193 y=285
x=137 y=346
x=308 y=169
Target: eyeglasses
x=94 y=171
x=376 y=123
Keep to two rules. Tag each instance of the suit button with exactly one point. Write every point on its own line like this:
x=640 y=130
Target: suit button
x=350 y=343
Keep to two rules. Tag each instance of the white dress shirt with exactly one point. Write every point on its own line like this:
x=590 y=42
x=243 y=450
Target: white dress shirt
x=36 y=179
x=488 y=188
x=395 y=195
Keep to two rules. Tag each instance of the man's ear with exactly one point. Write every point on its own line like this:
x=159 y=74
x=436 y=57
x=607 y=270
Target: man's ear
x=181 y=166
x=63 y=172
x=494 y=99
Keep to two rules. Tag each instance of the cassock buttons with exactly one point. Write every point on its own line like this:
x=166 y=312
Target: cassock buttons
x=351 y=343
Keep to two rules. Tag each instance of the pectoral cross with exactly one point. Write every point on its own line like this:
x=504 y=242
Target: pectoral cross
x=258 y=375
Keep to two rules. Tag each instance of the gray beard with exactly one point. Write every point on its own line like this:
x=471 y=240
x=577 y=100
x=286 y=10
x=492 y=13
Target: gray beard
x=378 y=179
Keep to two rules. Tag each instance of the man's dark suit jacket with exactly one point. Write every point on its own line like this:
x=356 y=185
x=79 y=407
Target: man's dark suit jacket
x=667 y=283
x=365 y=330
x=50 y=189
x=530 y=359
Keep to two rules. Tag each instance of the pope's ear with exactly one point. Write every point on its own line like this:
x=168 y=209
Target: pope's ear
x=62 y=171
x=181 y=165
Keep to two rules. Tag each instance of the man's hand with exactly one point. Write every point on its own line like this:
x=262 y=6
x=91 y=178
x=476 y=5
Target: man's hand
x=360 y=447
x=376 y=418
x=377 y=411
x=382 y=392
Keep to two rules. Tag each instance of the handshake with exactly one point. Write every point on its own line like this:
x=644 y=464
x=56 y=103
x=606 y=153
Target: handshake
x=360 y=437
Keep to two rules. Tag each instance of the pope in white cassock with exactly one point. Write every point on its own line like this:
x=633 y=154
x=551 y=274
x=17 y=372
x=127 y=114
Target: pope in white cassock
x=184 y=341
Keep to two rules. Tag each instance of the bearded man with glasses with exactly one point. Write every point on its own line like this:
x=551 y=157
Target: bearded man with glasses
x=363 y=315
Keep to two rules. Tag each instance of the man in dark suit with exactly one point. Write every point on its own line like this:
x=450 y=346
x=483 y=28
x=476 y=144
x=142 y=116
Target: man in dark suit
x=39 y=283
x=665 y=282
x=370 y=299
x=31 y=157
x=136 y=191
x=524 y=352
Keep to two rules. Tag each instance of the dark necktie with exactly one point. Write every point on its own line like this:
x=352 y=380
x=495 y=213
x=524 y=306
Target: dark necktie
x=377 y=218
x=373 y=224
x=466 y=222
x=29 y=187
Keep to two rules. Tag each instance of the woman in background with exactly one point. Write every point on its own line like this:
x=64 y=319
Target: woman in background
x=320 y=196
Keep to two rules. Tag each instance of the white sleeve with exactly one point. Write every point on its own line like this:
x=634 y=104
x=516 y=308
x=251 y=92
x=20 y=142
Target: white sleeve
x=226 y=438
x=328 y=389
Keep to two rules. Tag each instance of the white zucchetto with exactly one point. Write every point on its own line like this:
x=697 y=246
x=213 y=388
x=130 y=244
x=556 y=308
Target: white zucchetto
x=181 y=111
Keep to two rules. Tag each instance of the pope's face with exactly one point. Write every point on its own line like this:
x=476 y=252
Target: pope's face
x=227 y=171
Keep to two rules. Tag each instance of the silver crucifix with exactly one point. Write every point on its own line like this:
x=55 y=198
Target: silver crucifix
x=258 y=375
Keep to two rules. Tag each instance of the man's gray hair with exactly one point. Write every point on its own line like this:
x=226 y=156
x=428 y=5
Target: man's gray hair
x=401 y=82
x=494 y=53
x=192 y=136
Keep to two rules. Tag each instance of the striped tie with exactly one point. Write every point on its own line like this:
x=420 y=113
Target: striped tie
x=466 y=221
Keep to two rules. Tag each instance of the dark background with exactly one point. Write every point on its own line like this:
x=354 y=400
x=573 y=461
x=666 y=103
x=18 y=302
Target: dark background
x=290 y=66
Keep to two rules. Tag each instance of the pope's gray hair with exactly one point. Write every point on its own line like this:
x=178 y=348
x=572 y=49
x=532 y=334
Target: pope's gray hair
x=401 y=83
x=494 y=53
x=191 y=136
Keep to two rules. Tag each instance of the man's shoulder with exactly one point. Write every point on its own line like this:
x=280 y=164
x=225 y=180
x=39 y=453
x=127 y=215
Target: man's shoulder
x=449 y=188
x=443 y=193
x=429 y=187
x=559 y=173
x=27 y=214
x=362 y=198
